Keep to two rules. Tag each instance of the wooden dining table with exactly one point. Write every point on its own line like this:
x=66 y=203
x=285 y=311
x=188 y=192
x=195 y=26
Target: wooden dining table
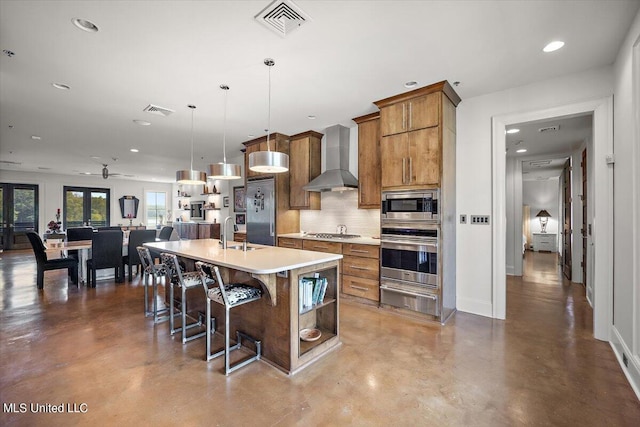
x=83 y=247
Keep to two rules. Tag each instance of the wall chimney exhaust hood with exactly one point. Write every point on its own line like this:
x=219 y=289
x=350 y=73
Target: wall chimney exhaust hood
x=337 y=176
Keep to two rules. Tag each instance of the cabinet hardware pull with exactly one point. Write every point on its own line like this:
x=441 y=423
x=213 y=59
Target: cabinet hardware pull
x=360 y=251
x=360 y=288
x=355 y=267
x=404 y=115
x=404 y=172
x=410 y=114
x=321 y=247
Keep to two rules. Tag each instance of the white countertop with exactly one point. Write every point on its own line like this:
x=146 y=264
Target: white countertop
x=266 y=260
x=358 y=240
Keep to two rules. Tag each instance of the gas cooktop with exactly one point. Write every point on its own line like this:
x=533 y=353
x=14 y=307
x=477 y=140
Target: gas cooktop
x=334 y=236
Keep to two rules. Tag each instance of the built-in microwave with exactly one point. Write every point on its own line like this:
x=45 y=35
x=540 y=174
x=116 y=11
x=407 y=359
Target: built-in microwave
x=413 y=205
x=197 y=210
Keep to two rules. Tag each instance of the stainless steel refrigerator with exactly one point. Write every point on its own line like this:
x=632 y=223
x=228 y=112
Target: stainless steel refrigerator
x=261 y=212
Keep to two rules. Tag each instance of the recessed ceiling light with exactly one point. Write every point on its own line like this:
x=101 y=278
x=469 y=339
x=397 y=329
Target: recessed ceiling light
x=522 y=150
x=142 y=122
x=411 y=84
x=134 y=150
x=311 y=117
x=61 y=86
x=250 y=136
x=86 y=173
x=513 y=130
x=95 y=157
x=85 y=25
x=554 y=45
x=36 y=137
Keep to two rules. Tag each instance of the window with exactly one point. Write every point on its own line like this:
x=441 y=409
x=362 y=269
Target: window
x=87 y=206
x=156 y=205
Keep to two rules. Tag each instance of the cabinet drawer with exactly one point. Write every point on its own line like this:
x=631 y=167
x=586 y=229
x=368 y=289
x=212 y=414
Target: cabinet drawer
x=367 y=251
x=368 y=268
x=315 y=245
x=286 y=242
x=359 y=287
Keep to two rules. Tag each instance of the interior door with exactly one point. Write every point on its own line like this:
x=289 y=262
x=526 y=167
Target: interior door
x=566 y=229
x=584 y=216
x=19 y=214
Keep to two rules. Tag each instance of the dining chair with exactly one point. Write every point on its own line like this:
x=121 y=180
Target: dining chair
x=106 y=252
x=228 y=295
x=136 y=238
x=75 y=234
x=165 y=233
x=45 y=264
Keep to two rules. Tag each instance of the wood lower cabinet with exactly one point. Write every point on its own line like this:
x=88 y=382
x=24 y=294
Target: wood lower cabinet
x=304 y=166
x=239 y=237
x=361 y=271
x=285 y=242
x=209 y=231
x=186 y=230
x=322 y=246
x=368 y=161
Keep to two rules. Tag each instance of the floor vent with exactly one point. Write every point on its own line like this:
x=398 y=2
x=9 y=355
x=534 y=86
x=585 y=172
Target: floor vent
x=282 y=17
x=158 y=111
x=549 y=129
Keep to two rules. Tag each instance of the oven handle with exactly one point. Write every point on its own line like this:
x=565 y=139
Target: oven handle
x=431 y=247
x=402 y=291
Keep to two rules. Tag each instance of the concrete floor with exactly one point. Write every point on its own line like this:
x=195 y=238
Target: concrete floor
x=93 y=350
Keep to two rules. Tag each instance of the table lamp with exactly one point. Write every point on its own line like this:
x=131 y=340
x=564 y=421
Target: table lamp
x=544 y=219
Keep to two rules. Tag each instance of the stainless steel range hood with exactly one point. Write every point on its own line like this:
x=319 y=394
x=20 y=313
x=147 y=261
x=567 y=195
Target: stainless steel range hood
x=337 y=176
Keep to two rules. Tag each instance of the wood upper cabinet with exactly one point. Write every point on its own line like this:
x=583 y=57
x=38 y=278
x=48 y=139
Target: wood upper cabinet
x=304 y=166
x=411 y=158
x=368 y=161
x=413 y=114
x=415 y=126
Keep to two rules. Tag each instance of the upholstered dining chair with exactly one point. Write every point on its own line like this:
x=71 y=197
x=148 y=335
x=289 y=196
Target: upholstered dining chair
x=165 y=233
x=136 y=238
x=75 y=234
x=45 y=264
x=106 y=252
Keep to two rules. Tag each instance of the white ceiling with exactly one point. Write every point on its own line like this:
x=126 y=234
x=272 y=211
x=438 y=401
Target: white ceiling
x=175 y=53
x=547 y=150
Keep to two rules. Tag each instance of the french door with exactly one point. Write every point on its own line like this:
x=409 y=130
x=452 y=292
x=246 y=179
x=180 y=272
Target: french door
x=18 y=214
x=86 y=206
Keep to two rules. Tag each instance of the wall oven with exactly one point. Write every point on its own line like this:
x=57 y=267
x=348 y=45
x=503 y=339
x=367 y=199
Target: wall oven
x=415 y=205
x=409 y=266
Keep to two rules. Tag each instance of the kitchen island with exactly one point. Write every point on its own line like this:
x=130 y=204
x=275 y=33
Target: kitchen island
x=278 y=317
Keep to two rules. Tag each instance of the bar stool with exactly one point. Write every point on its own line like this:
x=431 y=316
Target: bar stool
x=230 y=296
x=185 y=280
x=155 y=271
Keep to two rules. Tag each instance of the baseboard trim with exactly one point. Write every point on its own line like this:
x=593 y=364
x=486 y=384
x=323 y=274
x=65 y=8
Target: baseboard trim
x=632 y=372
x=473 y=306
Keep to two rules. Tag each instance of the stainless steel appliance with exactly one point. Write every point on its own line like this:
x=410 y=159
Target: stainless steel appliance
x=410 y=267
x=410 y=205
x=261 y=221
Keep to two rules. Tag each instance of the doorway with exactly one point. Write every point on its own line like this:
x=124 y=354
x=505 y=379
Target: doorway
x=601 y=192
x=18 y=214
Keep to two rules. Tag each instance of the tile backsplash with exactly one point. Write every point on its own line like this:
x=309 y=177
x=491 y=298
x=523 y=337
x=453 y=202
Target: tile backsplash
x=341 y=208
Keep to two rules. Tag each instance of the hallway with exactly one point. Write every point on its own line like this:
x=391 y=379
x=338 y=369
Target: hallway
x=94 y=346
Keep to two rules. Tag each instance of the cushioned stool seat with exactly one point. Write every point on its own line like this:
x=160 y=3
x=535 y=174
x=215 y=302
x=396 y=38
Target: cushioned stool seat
x=229 y=296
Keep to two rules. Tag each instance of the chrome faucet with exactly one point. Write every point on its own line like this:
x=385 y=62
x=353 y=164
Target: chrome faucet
x=223 y=234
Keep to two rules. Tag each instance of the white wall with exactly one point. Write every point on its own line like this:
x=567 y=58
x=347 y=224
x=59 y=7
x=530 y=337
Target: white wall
x=541 y=195
x=626 y=295
x=51 y=192
x=474 y=165
x=514 y=204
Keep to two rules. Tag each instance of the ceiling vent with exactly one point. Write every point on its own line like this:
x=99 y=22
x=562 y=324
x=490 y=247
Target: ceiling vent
x=158 y=111
x=539 y=163
x=549 y=129
x=282 y=17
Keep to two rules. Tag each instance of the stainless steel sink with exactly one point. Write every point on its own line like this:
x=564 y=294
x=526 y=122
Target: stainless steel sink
x=239 y=247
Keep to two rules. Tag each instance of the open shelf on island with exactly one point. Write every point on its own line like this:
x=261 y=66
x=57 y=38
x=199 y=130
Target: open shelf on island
x=308 y=345
x=326 y=301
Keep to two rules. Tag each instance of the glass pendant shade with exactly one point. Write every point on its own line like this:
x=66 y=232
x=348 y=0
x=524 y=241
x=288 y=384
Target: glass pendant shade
x=224 y=171
x=269 y=161
x=191 y=176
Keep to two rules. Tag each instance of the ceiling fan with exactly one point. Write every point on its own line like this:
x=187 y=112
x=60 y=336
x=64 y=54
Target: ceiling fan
x=105 y=170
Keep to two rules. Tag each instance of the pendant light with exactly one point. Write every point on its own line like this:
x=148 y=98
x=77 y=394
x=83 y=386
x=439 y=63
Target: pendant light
x=224 y=170
x=269 y=161
x=191 y=177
